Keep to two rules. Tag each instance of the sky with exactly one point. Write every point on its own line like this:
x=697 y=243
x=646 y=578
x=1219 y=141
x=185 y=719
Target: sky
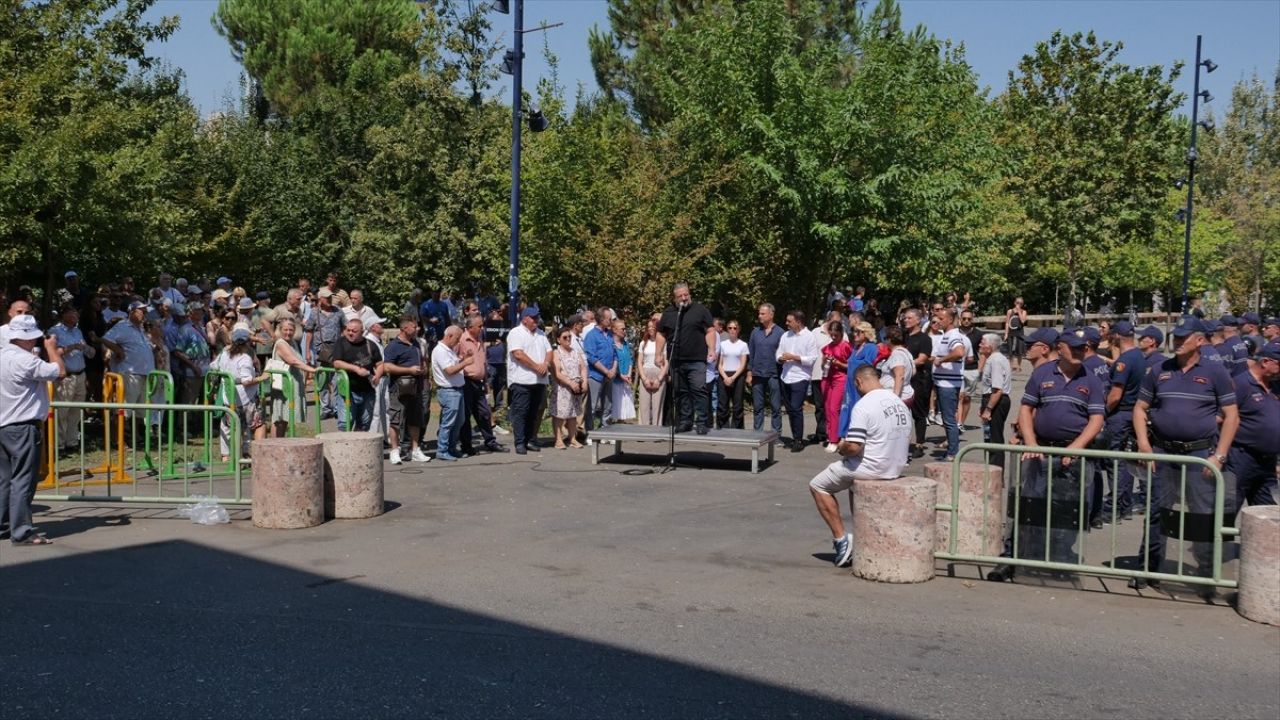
x=1241 y=36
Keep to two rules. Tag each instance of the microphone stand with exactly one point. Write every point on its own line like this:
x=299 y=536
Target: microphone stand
x=672 y=352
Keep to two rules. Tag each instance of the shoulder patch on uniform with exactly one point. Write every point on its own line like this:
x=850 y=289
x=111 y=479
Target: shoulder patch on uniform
x=1164 y=376
x=1120 y=367
x=1256 y=397
x=1083 y=390
x=1046 y=385
x=1201 y=379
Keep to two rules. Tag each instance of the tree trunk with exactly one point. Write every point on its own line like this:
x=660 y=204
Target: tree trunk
x=48 y=303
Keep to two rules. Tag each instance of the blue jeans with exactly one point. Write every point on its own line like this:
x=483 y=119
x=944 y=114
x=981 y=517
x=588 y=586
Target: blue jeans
x=362 y=408
x=948 y=403
x=794 y=395
x=770 y=388
x=450 y=399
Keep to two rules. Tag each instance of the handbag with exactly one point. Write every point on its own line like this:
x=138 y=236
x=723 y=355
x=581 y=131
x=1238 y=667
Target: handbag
x=325 y=354
x=274 y=363
x=406 y=385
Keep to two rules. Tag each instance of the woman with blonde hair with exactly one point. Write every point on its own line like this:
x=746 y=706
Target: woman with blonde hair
x=285 y=351
x=652 y=374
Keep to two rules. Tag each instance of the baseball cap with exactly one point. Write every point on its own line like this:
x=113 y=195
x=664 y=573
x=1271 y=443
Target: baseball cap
x=1270 y=351
x=179 y=309
x=221 y=294
x=1044 y=335
x=1228 y=320
x=70 y=274
x=1210 y=326
x=224 y=280
x=1271 y=321
x=263 y=295
x=24 y=327
x=246 y=304
x=240 y=335
x=1123 y=327
x=1153 y=332
x=1188 y=327
x=1091 y=334
x=1073 y=339
x=325 y=292
x=1250 y=318
x=195 y=306
x=137 y=305
x=529 y=313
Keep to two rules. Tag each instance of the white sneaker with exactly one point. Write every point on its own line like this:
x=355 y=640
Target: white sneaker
x=394 y=457
x=419 y=456
x=501 y=430
x=831 y=447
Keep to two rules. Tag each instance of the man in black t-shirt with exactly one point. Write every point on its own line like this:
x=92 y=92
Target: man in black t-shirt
x=362 y=361
x=972 y=366
x=920 y=345
x=688 y=329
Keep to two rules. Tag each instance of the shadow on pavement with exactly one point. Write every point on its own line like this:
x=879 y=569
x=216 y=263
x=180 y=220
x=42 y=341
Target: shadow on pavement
x=179 y=629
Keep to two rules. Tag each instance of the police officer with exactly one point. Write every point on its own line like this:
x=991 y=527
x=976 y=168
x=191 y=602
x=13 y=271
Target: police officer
x=1233 y=345
x=1097 y=366
x=1208 y=351
x=1123 y=386
x=1270 y=330
x=1253 y=455
x=1249 y=325
x=1062 y=406
x=1181 y=399
x=1150 y=340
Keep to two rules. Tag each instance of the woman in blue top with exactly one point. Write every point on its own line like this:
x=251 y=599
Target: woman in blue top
x=864 y=353
x=624 y=408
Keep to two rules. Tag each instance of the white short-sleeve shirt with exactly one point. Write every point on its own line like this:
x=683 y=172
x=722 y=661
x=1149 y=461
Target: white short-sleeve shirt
x=444 y=357
x=23 y=395
x=734 y=353
x=882 y=424
x=535 y=346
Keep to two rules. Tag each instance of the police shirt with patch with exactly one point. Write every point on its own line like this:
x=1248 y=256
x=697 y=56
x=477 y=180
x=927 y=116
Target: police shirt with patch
x=1063 y=404
x=1127 y=373
x=1239 y=353
x=1210 y=356
x=1227 y=355
x=1185 y=405
x=1259 y=416
x=1098 y=368
x=1155 y=359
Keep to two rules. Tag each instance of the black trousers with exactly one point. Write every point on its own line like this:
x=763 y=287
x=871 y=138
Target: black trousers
x=475 y=406
x=793 y=395
x=995 y=428
x=920 y=407
x=730 y=412
x=692 y=400
x=526 y=400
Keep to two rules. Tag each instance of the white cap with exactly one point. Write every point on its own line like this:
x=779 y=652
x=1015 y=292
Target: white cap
x=24 y=327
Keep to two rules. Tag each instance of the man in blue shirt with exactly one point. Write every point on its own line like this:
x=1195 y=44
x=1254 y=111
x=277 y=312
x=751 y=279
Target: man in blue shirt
x=763 y=371
x=1062 y=406
x=1124 y=383
x=1150 y=340
x=1182 y=398
x=435 y=317
x=602 y=367
x=71 y=388
x=1253 y=455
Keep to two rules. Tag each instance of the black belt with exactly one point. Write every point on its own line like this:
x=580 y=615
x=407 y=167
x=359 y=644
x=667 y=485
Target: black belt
x=1054 y=443
x=75 y=372
x=1178 y=447
x=37 y=423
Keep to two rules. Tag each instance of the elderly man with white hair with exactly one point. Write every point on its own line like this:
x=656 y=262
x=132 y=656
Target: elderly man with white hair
x=447 y=368
x=995 y=384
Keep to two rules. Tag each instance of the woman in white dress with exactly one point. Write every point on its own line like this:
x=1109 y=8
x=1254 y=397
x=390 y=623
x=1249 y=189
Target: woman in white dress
x=652 y=375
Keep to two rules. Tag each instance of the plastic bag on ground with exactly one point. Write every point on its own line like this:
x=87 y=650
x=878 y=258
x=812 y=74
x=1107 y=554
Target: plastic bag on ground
x=205 y=512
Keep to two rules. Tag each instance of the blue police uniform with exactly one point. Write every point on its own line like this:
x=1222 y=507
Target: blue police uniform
x=1062 y=407
x=1183 y=408
x=1254 y=450
x=1127 y=374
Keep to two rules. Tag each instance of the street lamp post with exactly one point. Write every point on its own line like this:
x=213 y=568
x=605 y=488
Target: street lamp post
x=513 y=269
x=1209 y=67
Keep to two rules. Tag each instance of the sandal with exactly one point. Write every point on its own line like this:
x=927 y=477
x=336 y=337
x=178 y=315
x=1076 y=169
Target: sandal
x=576 y=444
x=33 y=539
x=560 y=446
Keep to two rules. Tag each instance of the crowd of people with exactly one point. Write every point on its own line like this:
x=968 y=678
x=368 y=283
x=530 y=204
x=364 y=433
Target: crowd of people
x=687 y=366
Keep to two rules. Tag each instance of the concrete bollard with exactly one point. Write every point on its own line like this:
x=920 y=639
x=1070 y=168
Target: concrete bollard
x=1259 y=597
x=979 y=484
x=352 y=474
x=288 y=483
x=894 y=529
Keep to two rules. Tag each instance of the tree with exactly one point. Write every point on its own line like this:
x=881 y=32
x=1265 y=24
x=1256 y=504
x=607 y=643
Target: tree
x=96 y=143
x=1092 y=139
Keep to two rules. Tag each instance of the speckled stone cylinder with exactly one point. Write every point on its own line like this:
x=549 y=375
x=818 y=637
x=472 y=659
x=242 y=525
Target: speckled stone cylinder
x=894 y=529
x=352 y=474
x=288 y=483
x=979 y=484
x=1259 y=598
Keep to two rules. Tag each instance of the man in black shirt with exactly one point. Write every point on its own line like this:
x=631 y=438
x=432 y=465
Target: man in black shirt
x=920 y=345
x=362 y=362
x=689 y=329
x=971 y=366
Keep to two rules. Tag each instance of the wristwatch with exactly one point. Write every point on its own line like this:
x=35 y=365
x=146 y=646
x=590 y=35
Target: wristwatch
x=1222 y=459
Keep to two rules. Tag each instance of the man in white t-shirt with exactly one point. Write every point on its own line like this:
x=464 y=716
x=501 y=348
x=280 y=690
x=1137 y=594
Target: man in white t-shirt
x=527 y=351
x=874 y=448
x=948 y=375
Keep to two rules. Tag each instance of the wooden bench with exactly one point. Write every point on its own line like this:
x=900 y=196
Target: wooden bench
x=617 y=434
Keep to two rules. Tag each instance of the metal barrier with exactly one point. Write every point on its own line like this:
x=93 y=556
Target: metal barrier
x=225 y=482
x=1080 y=522
x=343 y=382
x=288 y=388
x=160 y=380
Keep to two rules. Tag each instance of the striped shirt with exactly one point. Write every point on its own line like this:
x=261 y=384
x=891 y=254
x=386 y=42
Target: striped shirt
x=950 y=374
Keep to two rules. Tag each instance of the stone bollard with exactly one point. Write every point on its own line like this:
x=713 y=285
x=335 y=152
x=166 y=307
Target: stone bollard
x=894 y=529
x=288 y=482
x=352 y=474
x=978 y=484
x=1259 y=597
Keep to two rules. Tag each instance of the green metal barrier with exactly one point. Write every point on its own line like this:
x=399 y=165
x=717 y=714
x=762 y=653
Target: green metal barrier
x=227 y=484
x=1144 y=462
x=290 y=391
x=219 y=389
x=160 y=379
x=343 y=389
